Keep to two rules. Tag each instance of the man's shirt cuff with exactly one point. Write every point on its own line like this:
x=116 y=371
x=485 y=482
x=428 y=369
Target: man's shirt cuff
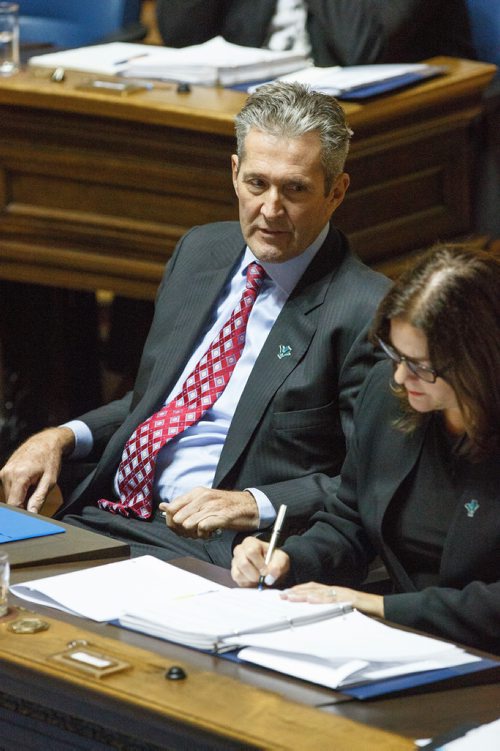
x=84 y=440
x=267 y=512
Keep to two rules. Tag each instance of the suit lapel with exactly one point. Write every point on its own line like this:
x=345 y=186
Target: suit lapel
x=386 y=482
x=293 y=331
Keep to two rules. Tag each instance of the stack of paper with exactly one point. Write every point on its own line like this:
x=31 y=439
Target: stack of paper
x=330 y=645
x=215 y=62
x=228 y=617
x=211 y=63
x=347 y=651
x=104 y=593
x=361 y=81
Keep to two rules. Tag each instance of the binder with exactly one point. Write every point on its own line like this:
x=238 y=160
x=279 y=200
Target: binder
x=484 y=671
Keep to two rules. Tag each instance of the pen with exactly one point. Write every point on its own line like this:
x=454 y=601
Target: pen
x=274 y=539
x=129 y=59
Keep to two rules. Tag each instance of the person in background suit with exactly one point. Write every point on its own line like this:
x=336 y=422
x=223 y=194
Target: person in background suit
x=332 y=32
x=420 y=484
x=277 y=431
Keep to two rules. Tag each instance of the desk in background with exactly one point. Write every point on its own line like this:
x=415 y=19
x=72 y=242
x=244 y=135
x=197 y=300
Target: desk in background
x=221 y=704
x=96 y=189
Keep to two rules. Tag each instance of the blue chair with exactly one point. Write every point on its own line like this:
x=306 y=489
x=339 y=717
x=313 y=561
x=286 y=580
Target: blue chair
x=76 y=23
x=484 y=19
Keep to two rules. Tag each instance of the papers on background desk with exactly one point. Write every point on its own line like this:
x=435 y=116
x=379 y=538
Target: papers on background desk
x=213 y=62
x=217 y=62
x=361 y=81
x=318 y=643
x=104 y=59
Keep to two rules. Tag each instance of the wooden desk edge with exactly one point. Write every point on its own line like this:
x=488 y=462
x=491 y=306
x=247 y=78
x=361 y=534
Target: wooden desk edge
x=212 y=110
x=212 y=703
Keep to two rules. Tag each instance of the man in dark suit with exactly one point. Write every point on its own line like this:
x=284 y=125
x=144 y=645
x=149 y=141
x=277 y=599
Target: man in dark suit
x=276 y=432
x=338 y=32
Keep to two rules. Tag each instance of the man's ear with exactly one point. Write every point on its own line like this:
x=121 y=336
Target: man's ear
x=339 y=189
x=234 y=172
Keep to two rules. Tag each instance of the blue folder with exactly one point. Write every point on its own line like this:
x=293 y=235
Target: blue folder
x=15 y=526
x=443 y=678
x=390 y=84
x=472 y=673
x=376 y=88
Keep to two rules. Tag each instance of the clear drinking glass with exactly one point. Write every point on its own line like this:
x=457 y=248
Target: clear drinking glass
x=9 y=38
x=4 y=583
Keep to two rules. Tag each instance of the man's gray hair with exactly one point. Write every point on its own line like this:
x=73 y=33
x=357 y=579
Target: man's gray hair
x=289 y=110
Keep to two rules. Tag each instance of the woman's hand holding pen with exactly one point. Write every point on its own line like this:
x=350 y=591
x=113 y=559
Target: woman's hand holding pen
x=248 y=563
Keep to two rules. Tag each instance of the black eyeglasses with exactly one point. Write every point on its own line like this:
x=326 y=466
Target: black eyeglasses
x=424 y=372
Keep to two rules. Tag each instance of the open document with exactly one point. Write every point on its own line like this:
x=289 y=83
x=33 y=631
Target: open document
x=349 y=650
x=211 y=63
x=328 y=644
x=227 y=618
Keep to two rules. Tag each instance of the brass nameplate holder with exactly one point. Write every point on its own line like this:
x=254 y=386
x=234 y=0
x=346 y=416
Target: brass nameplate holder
x=90 y=662
x=116 y=88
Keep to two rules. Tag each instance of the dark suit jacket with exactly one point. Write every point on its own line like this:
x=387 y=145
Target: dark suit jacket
x=336 y=549
x=342 y=32
x=286 y=436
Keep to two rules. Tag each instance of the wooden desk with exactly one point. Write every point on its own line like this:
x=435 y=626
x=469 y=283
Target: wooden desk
x=96 y=189
x=220 y=705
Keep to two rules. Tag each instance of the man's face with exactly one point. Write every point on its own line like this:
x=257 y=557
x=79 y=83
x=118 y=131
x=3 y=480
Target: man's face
x=280 y=185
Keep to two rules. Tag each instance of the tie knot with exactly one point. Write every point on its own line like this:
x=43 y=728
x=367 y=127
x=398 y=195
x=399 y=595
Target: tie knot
x=255 y=275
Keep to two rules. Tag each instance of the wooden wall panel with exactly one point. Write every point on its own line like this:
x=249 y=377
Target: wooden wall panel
x=95 y=192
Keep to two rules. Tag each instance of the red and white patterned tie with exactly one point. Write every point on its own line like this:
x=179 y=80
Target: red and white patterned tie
x=199 y=392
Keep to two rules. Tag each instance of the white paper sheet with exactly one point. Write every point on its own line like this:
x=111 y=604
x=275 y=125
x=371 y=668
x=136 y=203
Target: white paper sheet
x=338 y=673
x=484 y=738
x=354 y=636
x=337 y=80
x=215 y=61
x=204 y=620
x=103 y=593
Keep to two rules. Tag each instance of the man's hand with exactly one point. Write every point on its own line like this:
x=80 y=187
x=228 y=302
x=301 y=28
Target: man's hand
x=35 y=465
x=202 y=511
x=249 y=563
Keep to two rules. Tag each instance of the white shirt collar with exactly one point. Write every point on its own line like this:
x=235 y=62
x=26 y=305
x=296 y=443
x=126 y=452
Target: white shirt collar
x=287 y=274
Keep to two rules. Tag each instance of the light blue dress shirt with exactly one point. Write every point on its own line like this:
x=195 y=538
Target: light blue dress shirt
x=191 y=458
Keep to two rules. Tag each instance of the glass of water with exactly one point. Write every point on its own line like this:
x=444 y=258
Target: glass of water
x=9 y=38
x=4 y=583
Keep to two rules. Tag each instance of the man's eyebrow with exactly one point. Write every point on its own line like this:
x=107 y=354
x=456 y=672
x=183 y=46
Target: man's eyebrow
x=252 y=174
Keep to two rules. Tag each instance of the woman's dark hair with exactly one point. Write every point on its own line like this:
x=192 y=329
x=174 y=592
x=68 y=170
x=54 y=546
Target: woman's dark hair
x=452 y=295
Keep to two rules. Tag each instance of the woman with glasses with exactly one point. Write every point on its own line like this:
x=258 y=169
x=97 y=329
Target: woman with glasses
x=420 y=486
